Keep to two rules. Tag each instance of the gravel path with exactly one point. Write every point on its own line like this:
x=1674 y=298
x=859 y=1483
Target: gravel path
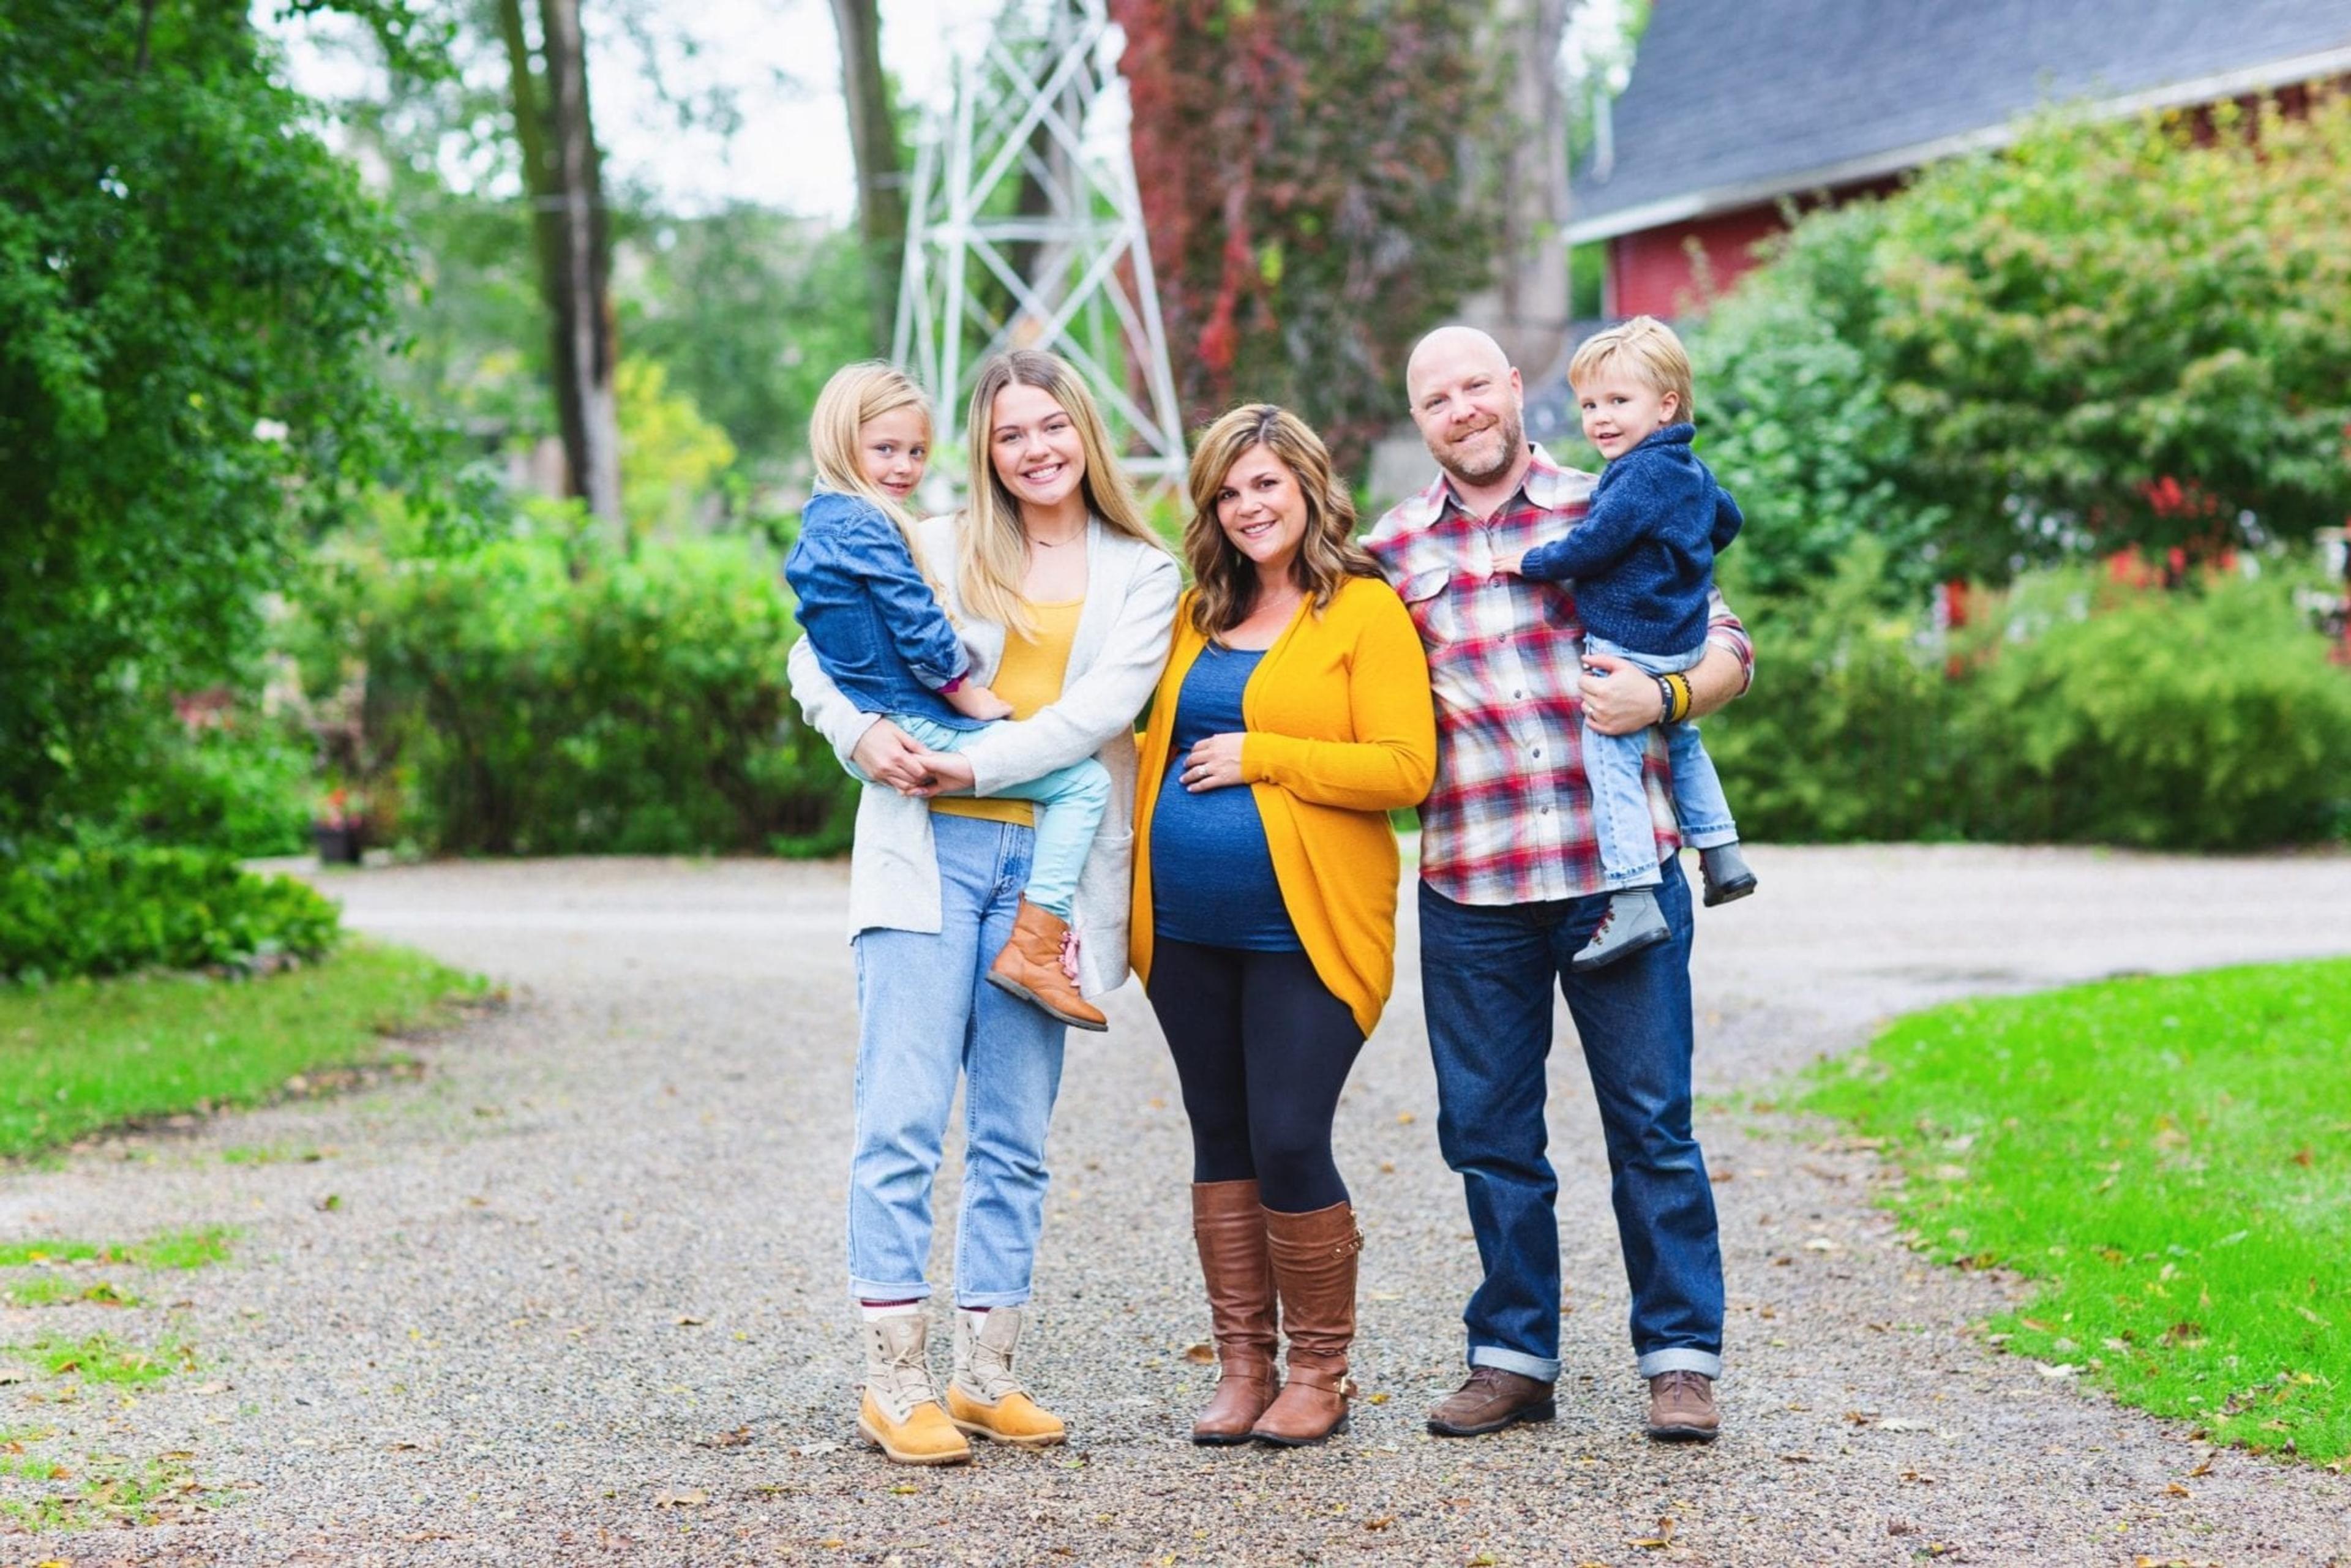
x=578 y=1297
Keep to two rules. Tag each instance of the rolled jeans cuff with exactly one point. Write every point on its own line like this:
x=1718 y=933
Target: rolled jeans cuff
x=873 y=1290
x=983 y=1301
x=1705 y=1362
x=1540 y=1368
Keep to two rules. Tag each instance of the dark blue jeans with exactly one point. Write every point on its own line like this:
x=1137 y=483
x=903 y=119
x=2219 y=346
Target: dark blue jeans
x=1485 y=977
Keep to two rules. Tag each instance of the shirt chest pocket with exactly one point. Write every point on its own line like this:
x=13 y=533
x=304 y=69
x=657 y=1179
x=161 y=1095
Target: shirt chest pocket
x=1435 y=610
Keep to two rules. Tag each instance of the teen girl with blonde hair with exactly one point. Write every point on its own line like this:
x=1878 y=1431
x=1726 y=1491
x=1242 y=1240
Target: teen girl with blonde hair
x=1063 y=600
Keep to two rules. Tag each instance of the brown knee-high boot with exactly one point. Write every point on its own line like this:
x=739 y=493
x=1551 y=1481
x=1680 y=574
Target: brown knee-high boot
x=1229 y=1228
x=1314 y=1270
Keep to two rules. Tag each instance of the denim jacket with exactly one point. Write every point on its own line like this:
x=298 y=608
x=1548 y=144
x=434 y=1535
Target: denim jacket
x=876 y=628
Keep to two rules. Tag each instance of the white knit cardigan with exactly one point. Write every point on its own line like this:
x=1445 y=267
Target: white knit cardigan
x=1114 y=662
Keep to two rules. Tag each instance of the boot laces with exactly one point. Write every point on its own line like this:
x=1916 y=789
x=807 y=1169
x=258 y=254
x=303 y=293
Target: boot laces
x=988 y=1367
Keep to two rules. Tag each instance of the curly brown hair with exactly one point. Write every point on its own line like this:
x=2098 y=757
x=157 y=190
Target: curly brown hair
x=1224 y=581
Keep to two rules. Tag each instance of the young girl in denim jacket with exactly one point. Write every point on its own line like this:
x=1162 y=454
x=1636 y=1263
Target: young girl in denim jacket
x=870 y=612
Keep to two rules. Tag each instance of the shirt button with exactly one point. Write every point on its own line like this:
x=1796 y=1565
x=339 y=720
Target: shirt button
x=1538 y=751
x=1517 y=693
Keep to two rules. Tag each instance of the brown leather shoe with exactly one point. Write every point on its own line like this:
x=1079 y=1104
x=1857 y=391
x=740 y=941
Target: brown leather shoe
x=1490 y=1400
x=1030 y=967
x=1681 y=1408
x=1229 y=1228
x=1314 y=1270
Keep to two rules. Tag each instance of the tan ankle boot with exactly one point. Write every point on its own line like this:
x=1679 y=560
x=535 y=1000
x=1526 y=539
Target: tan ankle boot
x=1314 y=1270
x=1229 y=1228
x=1031 y=967
x=898 y=1413
x=985 y=1397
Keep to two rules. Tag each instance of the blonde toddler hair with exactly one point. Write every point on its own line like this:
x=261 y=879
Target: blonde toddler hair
x=1648 y=349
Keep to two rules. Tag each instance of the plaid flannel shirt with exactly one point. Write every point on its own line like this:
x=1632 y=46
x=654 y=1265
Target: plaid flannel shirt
x=1510 y=821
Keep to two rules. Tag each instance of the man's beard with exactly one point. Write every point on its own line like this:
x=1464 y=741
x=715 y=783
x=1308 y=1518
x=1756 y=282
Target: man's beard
x=1512 y=429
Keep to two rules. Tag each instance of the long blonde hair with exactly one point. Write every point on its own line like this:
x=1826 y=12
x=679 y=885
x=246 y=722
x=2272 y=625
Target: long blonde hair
x=1225 y=581
x=994 y=554
x=853 y=395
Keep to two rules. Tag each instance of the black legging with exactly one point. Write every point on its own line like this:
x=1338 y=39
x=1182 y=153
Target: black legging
x=1263 y=1049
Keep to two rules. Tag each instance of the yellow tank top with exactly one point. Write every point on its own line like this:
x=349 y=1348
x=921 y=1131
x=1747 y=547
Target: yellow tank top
x=1029 y=677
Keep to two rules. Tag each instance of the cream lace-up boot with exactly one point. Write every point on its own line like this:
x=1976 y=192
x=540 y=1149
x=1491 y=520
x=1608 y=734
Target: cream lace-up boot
x=899 y=1414
x=986 y=1398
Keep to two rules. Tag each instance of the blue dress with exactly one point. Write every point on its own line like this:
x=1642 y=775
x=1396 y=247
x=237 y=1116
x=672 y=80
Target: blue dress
x=1212 y=880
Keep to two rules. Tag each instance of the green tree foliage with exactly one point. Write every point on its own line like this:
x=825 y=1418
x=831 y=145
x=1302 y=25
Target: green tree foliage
x=2111 y=334
x=1302 y=168
x=193 y=297
x=748 y=311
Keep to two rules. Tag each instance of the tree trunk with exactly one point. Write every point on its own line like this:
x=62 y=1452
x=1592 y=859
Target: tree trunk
x=1534 y=275
x=874 y=141
x=564 y=179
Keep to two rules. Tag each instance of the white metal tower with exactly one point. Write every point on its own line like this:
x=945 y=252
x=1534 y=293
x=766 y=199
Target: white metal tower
x=1025 y=229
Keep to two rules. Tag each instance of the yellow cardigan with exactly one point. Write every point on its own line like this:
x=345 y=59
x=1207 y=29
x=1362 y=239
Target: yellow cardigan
x=1341 y=731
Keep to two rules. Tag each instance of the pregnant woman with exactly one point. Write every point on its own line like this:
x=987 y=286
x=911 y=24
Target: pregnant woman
x=1293 y=716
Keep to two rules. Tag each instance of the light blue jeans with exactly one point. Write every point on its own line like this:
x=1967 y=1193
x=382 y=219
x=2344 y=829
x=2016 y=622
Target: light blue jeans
x=1069 y=802
x=926 y=1014
x=1620 y=806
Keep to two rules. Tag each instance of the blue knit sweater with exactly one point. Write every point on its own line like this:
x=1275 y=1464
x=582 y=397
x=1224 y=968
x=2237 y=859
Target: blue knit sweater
x=1643 y=558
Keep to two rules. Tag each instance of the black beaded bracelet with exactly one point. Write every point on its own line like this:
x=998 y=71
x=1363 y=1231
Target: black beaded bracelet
x=1665 y=699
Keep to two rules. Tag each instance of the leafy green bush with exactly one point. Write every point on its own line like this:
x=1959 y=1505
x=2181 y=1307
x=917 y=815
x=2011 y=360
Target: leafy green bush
x=2077 y=710
x=546 y=694
x=2207 y=719
x=244 y=789
x=101 y=909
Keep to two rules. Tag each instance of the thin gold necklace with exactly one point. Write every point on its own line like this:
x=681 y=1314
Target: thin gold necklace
x=1075 y=534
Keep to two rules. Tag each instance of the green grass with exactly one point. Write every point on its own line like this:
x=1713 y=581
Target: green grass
x=102 y=1358
x=49 y=1290
x=83 y=1055
x=2169 y=1159
x=172 y=1250
x=106 y=1491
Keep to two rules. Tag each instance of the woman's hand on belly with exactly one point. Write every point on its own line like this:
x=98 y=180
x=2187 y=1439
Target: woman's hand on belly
x=1213 y=764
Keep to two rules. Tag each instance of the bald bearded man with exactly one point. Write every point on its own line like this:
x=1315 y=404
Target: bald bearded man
x=1511 y=886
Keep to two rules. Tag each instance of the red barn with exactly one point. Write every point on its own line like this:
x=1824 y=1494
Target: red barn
x=1737 y=107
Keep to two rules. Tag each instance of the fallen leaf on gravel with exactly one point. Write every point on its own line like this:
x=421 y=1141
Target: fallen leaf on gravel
x=2176 y=1489
x=904 y=1488
x=688 y=1321
x=1918 y=1478
x=833 y=1541
x=1378 y=1399
x=1659 y=1541
x=405 y=1447
x=1859 y=1417
x=328 y=1204
x=1798 y=1458
x=1379 y=1523
x=2203 y=1469
x=734 y=1439
x=682 y=1497
x=428 y=1535
x=1941 y=1549
x=1200 y=1354
x=1404 y=1118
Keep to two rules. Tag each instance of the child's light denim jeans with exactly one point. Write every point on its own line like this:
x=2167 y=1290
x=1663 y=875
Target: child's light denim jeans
x=1620 y=806
x=1069 y=802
